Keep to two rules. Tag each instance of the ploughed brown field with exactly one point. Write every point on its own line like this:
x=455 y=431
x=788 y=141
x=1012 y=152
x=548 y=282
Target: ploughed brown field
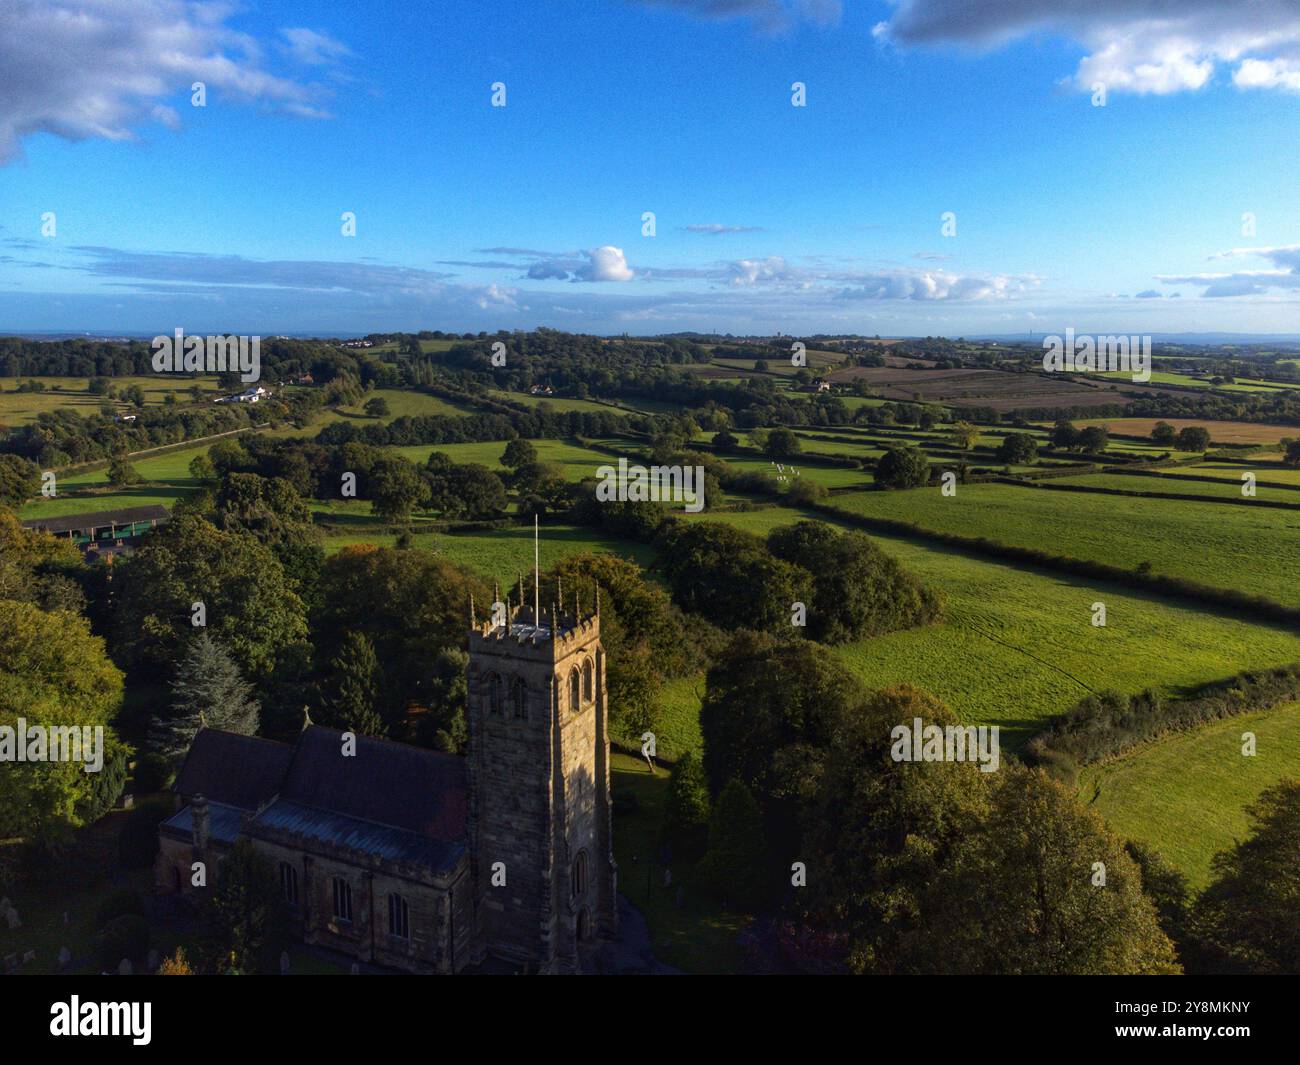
x=1220 y=432
x=981 y=388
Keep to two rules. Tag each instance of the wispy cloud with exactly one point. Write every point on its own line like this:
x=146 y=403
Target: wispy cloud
x=1283 y=274
x=715 y=229
x=768 y=16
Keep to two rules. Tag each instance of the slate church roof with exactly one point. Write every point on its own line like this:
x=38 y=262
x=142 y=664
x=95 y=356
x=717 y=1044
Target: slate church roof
x=234 y=770
x=390 y=799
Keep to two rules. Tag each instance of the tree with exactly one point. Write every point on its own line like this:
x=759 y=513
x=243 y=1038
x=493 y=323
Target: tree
x=730 y=577
x=725 y=441
x=734 y=867
x=356 y=686
x=121 y=473
x=1040 y=885
x=468 y=491
x=767 y=718
x=411 y=605
x=858 y=590
x=1193 y=438
x=781 y=443
x=1094 y=439
x=247 y=602
x=1292 y=457
x=1017 y=449
x=902 y=467
x=377 y=407
x=519 y=452
x=1245 y=921
x=207 y=689
x=396 y=488
x=53 y=672
x=965 y=434
x=201 y=469
x=880 y=831
x=20 y=479
x=244 y=923
x=1164 y=434
x=687 y=816
x=1065 y=436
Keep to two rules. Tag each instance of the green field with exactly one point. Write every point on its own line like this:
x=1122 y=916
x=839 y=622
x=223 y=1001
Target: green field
x=1225 y=489
x=578 y=462
x=1016 y=646
x=401 y=403
x=1252 y=549
x=1186 y=794
x=501 y=554
x=1240 y=384
x=167 y=479
x=560 y=404
x=1232 y=471
x=830 y=476
x=19 y=408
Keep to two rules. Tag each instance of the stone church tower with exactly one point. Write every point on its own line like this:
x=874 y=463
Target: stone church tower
x=539 y=831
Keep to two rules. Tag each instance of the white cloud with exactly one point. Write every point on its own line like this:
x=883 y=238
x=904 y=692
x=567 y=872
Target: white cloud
x=608 y=263
x=1140 y=46
x=933 y=285
x=100 y=68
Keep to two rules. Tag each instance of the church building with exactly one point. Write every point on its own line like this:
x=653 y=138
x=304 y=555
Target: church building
x=425 y=861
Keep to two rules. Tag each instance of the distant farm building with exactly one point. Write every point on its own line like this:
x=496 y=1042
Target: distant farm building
x=104 y=531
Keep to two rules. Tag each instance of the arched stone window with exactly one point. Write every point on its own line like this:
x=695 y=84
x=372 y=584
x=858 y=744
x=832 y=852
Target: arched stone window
x=519 y=699
x=580 y=875
x=494 y=694
x=588 y=681
x=575 y=702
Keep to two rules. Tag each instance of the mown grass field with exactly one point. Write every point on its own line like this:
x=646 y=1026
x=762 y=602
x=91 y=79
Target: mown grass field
x=1186 y=794
x=1252 y=549
x=166 y=480
x=830 y=476
x=1017 y=646
x=1232 y=471
x=19 y=408
x=502 y=554
x=1184 y=485
x=1164 y=377
x=578 y=462
x=558 y=403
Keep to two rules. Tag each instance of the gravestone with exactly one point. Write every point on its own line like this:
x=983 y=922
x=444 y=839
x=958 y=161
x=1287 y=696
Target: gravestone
x=284 y=963
x=151 y=962
x=11 y=963
x=29 y=956
x=14 y=920
x=355 y=970
x=124 y=967
x=65 y=957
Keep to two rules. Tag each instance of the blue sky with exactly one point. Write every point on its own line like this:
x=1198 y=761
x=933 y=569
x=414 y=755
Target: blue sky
x=768 y=217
